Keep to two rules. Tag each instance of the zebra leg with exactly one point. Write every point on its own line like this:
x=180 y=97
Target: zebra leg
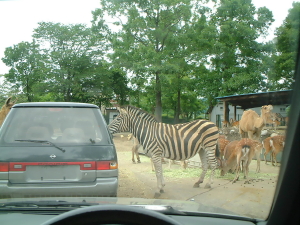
x=159 y=175
x=203 y=159
x=210 y=154
x=152 y=165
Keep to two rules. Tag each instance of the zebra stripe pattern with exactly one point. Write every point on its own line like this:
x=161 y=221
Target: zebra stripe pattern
x=175 y=142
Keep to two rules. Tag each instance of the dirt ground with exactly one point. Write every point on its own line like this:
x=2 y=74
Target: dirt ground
x=139 y=181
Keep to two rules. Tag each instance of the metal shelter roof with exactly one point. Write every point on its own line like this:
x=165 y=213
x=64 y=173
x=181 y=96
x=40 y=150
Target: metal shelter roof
x=252 y=100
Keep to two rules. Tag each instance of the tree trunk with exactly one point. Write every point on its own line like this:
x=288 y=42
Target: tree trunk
x=158 y=103
x=178 y=109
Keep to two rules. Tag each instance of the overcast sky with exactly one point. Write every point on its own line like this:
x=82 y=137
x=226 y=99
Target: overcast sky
x=18 y=18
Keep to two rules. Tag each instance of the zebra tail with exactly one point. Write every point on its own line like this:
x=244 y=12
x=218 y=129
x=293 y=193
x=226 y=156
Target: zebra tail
x=217 y=153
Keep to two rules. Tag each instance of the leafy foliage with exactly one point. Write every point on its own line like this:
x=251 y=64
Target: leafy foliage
x=27 y=66
x=175 y=55
x=286 y=46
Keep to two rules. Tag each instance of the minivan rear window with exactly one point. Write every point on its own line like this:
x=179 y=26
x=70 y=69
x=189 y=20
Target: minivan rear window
x=58 y=125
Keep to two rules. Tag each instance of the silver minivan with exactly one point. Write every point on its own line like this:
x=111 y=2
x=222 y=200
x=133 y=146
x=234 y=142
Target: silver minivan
x=57 y=149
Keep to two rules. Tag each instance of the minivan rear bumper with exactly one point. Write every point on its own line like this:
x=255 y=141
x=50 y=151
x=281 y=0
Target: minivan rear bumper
x=102 y=187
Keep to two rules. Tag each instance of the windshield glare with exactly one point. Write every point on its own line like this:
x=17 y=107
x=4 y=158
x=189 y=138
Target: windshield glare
x=201 y=87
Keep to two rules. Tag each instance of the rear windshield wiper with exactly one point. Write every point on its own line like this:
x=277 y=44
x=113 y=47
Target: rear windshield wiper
x=43 y=141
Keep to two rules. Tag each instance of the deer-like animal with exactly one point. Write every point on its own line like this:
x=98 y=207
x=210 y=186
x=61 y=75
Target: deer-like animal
x=246 y=149
x=222 y=142
x=229 y=158
x=235 y=124
x=273 y=119
x=274 y=145
x=229 y=163
x=5 y=109
x=225 y=123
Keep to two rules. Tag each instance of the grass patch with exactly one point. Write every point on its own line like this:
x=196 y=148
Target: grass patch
x=181 y=173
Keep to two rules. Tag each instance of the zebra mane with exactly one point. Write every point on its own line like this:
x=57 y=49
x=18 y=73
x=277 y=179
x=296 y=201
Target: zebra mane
x=146 y=115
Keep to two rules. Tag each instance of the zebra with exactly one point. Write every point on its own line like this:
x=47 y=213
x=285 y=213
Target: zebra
x=175 y=142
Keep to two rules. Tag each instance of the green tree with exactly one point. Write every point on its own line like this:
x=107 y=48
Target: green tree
x=137 y=92
x=143 y=43
x=119 y=86
x=75 y=61
x=286 y=45
x=27 y=66
x=236 y=57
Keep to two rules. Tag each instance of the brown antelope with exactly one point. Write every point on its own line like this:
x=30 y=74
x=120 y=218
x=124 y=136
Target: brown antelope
x=229 y=163
x=274 y=145
x=267 y=147
x=225 y=123
x=222 y=142
x=5 y=109
x=235 y=124
x=229 y=160
x=274 y=120
x=246 y=149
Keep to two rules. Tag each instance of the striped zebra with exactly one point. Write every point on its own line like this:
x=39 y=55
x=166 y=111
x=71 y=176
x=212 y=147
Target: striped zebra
x=175 y=142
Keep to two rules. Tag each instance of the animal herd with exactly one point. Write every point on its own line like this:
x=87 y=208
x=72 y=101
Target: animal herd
x=233 y=153
x=237 y=155
x=200 y=137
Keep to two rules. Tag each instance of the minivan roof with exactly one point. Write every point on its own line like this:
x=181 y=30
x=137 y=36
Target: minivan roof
x=55 y=104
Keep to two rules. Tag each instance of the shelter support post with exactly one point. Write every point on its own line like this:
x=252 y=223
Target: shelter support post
x=226 y=111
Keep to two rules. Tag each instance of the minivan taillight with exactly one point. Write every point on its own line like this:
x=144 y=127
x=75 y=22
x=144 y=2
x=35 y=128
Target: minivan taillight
x=3 y=166
x=89 y=165
x=106 y=165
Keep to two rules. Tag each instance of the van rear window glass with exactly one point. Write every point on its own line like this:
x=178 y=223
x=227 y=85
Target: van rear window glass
x=58 y=125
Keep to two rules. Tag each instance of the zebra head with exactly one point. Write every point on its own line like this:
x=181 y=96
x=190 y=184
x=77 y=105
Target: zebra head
x=128 y=118
x=119 y=124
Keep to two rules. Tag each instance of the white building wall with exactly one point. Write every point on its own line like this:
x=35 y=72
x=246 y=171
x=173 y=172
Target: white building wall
x=112 y=116
x=218 y=111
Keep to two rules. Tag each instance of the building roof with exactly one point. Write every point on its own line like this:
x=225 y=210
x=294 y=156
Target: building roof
x=253 y=100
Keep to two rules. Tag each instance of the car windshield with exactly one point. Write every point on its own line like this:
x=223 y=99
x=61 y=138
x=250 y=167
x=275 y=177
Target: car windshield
x=190 y=101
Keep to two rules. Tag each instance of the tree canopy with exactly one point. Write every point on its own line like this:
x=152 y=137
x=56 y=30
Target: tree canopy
x=173 y=56
x=286 y=48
